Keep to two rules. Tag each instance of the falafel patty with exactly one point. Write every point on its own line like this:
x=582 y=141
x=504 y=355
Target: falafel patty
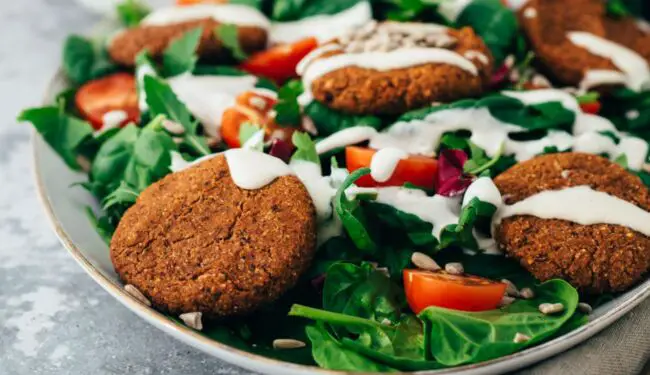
x=358 y=90
x=547 y=22
x=155 y=39
x=594 y=258
x=194 y=241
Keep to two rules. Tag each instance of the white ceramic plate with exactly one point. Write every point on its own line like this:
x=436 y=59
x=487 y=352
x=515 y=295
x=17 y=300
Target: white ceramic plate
x=65 y=206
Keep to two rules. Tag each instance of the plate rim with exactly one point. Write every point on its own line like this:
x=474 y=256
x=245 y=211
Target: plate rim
x=258 y=362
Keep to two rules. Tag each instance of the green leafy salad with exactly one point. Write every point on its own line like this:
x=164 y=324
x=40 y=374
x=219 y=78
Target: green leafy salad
x=406 y=275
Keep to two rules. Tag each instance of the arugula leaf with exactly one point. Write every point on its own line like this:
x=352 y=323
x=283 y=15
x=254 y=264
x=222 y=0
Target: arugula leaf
x=124 y=194
x=162 y=101
x=329 y=121
x=352 y=216
x=305 y=148
x=291 y=10
x=180 y=56
x=66 y=134
x=495 y=23
x=479 y=162
x=229 y=36
x=458 y=337
x=287 y=108
x=131 y=12
x=82 y=61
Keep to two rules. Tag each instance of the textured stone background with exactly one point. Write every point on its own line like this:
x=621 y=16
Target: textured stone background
x=53 y=318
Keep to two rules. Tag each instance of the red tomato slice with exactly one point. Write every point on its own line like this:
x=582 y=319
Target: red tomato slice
x=256 y=108
x=279 y=63
x=466 y=293
x=115 y=92
x=591 y=108
x=418 y=170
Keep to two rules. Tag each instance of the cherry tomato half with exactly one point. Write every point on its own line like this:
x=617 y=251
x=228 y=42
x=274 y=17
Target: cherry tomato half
x=467 y=293
x=279 y=63
x=254 y=107
x=418 y=170
x=116 y=92
x=591 y=108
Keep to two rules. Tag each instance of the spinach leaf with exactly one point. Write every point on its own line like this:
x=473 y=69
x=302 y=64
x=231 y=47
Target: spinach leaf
x=352 y=216
x=131 y=12
x=82 y=61
x=629 y=111
x=495 y=23
x=418 y=232
x=336 y=249
x=229 y=36
x=457 y=337
x=329 y=121
x=287 y=109
x=162 y=101
x=305 y=148
x=180 y=57
x=66 y=134
x=330 y=354
x=291 y=10
x=362 y=291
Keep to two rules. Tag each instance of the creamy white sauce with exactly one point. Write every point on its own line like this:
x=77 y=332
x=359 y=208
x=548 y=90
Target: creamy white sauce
x=581 y=205
x=178 y=163
x=381 y=61
x=451 y=10
x=532 y=97
x=322 y=27
x=236 y=14
x=112 y=120
x=480 y=56
x=634 y=66
x=530 y=12
x=384 y=162
x=142 y=71
x=485 y=190
x=207 y=97
x=252 y=170
x=636 y=151
x=345 y=137
x=601 y=77
x=437 y=210
x=256 y=141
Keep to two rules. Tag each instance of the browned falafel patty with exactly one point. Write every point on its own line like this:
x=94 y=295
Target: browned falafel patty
x=547 y=22
x=360 y=90
x=194 y=241
x=594 y=258
x=127 y=45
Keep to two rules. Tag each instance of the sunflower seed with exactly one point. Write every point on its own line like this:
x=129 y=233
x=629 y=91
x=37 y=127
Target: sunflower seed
x=526 y=293
x=551 y=308
x=520 y=337
x=424 y=262
x=173 y=127
x=137 y=294
x=193 y=320
x=288 y=344
x=511 y=289
x=505 y=301
x=455 y=268
x=585 y=308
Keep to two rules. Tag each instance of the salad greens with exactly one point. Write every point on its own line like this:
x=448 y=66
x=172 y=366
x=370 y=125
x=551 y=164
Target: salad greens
x=350 y=305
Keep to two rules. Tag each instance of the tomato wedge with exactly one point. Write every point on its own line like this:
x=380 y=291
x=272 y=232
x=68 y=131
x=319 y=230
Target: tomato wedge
x=591 y=108
x=257 y=108
x=116 y=92
x=279 y=63
x=417 y=170
x=467 y=293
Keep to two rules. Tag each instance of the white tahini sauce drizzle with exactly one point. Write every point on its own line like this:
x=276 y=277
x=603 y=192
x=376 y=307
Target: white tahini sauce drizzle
x=485 y=190
x=322 y=27
x=382 y=61
x=581 y=205
x=224 y=13
x=207 y=97
x=437 y=210
x=253 y=170
x=112 y=120
x=345 y=137
x=601 y=77
x=384 y=162
x=634 y=66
